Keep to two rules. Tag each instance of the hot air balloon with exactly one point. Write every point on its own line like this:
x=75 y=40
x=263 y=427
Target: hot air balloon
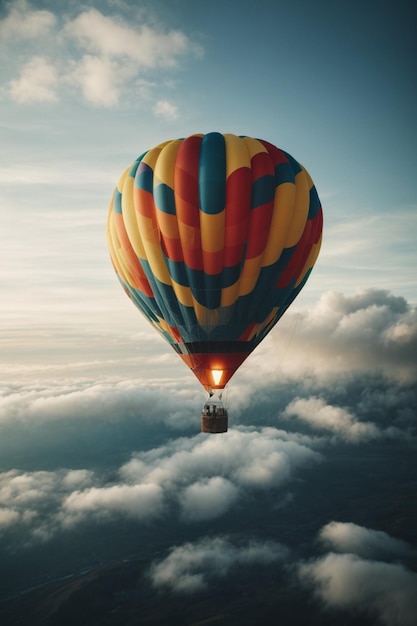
x=212 y=237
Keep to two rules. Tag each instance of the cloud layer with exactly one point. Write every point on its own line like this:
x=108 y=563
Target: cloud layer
x=285 y=427
x=369 y=331
x=196 y=480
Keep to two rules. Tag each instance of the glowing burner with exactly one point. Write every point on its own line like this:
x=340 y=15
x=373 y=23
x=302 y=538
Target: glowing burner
x=217 y=376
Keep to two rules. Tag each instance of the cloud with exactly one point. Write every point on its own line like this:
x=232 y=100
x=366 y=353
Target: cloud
x=30 y=500
x=346 y=581
x=105 y=57
x=113 y=38
x=357 y=579
x=37 y=82
x=208 y=499
x=8 y=517
x=370 y=331
x=189 y=568
x=22 y=22
x=46 y=502
x=364 y=542
x=99 y=80
x=318 y=414
x=166 y=110
x=251 y=460
x=81 y=400
x=26 y=489
x=192 y=480
x=138 y=502
x=74 y=479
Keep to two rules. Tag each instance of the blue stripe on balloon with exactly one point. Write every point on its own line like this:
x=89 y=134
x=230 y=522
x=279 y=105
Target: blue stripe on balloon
x=176 y=313
x=296 y=167
x=164 y=198
x=284 y=173
x=178 y=271
x=231 y=274
x=147 y=305
x=263 y=191
x=261 y=301
x=164 y=296
x=198 y=281
x=212 y=173
x=117 y=202
x=194 y=279
x=134 y=167
x=281 y=296
x=144 y=177
x=209 y=293
x=297 y=289
x=314 y=203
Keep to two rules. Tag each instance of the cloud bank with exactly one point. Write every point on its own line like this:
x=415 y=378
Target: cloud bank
x=192 y=480
x=369 y=331
x=197 y=479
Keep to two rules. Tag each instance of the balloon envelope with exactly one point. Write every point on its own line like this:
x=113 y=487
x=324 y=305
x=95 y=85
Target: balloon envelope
x=212 y=237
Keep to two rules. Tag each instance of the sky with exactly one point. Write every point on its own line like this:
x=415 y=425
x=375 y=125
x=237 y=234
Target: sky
x=99 y=421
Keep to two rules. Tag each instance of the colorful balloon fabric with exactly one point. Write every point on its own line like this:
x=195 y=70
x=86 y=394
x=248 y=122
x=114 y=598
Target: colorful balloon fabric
x=212 y=237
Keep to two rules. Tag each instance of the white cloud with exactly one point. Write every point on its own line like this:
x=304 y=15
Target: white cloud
x=113 y=38
x=105 y=57
x=364 y=542
x=98 y=79
x=188 y=568
x=26 y=489
x=166 y=109
x=22 y=22
x=138 y=502
x=346 y=581
x=207 y=499
x=191 y=479
x=37 y=82
x=47 y=501
x=370 y=331
x=252 y=460
x=30 y=500
x=336 y=420
x=110 y=399
x=353 y=581
x=74 y=479
x=8 y=517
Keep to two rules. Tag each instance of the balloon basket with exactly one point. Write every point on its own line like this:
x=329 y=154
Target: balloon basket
x=210 y=424
x=214 y=418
